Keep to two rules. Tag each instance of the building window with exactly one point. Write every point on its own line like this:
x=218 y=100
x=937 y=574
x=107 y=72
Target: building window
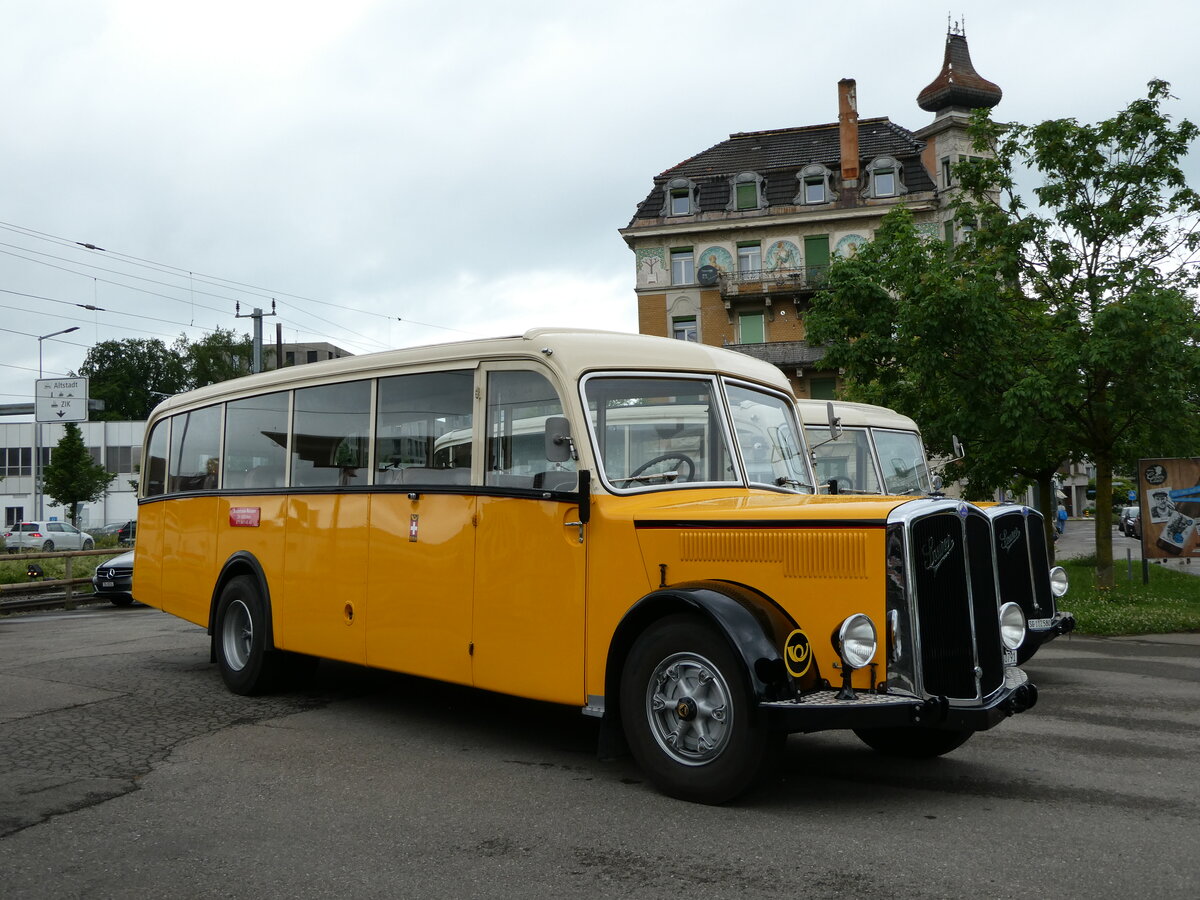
x=13 y=515
x=16 y=461
x=684 y=328
x=290 y=357
x=822 y=388
x=753 y=328
x=885 y=178
x=312 y=356
x=815 y=186
x=950 y=234
x=750 y=257
x=683 y=266
x=681 y=196
x=122 y=459
x=746 y=191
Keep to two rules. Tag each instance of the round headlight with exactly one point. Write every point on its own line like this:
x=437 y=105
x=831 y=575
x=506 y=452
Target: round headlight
x=1058 y=581
x=855 y=641
x=1012 y=625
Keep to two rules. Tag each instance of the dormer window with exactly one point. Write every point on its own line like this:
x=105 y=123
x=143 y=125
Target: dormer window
x=746 y=191
x=815 y=186
x=682 y=197
x=885 y=178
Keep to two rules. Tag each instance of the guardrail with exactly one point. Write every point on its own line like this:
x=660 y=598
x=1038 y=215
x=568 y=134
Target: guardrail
x=65 y=583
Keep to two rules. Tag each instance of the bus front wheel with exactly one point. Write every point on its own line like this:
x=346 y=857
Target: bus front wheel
x=247 y=666
x=688 y=712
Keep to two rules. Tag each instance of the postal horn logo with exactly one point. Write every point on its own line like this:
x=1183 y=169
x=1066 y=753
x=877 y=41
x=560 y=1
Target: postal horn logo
x=797 y=654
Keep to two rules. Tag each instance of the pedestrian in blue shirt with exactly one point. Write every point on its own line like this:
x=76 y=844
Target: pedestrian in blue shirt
x=1062 y=518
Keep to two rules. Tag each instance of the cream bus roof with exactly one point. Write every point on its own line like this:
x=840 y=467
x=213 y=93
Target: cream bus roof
x=814 y=414
x=571 y=352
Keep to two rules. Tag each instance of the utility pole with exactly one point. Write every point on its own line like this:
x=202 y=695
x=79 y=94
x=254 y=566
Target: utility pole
x=257 y=316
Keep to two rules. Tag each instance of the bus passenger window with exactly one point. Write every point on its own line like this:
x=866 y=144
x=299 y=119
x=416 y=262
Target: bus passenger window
x=423 y=428
x=195 y=442
x=518 y=404
x=256 y=441
x=329 y=437
x=156 y=460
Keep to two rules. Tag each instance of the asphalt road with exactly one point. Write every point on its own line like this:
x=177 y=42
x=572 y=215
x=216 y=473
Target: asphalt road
x=129 y=771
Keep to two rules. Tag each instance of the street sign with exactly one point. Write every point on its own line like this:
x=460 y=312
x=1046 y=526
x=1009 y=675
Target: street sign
x=61 y=400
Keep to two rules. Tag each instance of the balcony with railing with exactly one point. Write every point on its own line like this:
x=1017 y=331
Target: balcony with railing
x=764 y=282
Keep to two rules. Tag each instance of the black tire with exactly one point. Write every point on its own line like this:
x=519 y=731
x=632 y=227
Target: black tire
x=121 y=601
x=240 y=639
x=48 y=547
x=689 y=714
x=88 y=545
x=913 y=743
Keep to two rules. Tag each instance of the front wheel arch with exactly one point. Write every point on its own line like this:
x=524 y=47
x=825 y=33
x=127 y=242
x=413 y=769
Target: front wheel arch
x=754 y=627
x=241 y=563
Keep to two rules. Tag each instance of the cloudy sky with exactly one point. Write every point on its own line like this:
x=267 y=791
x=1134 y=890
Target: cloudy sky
x=399 y=173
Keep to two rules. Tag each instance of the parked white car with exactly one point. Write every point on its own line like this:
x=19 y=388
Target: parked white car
x=46 y=536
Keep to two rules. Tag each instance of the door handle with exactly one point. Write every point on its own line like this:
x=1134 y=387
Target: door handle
x=579 y=525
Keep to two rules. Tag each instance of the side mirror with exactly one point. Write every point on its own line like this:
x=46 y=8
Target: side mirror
x=835 y=423
x=559 y=447
x=959 y=452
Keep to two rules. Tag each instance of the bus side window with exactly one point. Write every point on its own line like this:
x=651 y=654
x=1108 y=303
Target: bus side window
x=326 y=444
x=195 y=438
x=423 y=428
x=518 y=404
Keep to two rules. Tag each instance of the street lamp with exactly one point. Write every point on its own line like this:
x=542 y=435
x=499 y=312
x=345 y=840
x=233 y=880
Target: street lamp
x=37 y=429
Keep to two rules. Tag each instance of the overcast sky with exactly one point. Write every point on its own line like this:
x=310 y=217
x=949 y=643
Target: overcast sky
x=399 y=173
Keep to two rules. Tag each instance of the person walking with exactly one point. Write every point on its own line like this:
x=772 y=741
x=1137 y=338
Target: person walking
x=1061 y=525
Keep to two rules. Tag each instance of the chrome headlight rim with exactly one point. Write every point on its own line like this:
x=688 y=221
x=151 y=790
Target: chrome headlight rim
x=1012 y=625
x=1059 y=582
x=856 y=641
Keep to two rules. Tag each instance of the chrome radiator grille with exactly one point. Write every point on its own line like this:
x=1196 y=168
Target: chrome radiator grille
x=953 y=603
x=1023 y=560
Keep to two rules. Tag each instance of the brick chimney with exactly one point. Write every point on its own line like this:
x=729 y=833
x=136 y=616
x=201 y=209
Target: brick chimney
x=848 y=130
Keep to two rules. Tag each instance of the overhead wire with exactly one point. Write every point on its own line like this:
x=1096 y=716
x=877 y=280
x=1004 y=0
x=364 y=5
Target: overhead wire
x=218 y=281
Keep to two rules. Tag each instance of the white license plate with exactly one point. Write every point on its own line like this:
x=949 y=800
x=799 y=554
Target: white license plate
x=107 y=583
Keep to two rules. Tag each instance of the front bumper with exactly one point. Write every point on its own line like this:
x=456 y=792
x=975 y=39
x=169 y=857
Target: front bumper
x=823 y=711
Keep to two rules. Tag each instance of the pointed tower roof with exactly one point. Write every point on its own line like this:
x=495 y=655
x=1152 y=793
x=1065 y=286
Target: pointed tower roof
x=958 y=84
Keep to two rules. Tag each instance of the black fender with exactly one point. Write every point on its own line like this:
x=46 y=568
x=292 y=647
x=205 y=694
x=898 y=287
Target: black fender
x=756 y=628
x=240 y=563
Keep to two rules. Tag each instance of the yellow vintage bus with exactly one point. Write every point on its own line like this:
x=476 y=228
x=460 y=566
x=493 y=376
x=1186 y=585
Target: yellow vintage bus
x=622 y=523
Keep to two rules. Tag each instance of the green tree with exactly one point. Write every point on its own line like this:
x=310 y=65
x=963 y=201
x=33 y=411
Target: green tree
x=71 y=477
x=951 y=341
x=1080 y=311
x=1110 y=251
x=131 y=376
x=216 y=357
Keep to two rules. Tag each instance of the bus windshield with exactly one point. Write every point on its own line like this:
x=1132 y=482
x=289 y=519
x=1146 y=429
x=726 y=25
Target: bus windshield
x=657 y=431
x=903 y=461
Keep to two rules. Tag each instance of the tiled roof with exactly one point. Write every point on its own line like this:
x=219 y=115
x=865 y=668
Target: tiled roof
x=778 y=155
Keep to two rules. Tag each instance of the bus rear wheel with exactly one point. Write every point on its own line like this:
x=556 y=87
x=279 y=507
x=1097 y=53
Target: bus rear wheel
x=247 y=666
x=688 y=712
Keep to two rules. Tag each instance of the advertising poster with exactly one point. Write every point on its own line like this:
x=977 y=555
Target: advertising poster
x=1170 y=505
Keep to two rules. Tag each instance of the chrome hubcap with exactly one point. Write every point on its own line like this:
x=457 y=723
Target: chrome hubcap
x=687 y=705
x=237 y=635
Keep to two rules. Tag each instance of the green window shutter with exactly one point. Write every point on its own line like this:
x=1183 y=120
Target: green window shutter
x=822 y=388
x=950 y=233
x=747 y=195
x=816 y=256
x=753 y=328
